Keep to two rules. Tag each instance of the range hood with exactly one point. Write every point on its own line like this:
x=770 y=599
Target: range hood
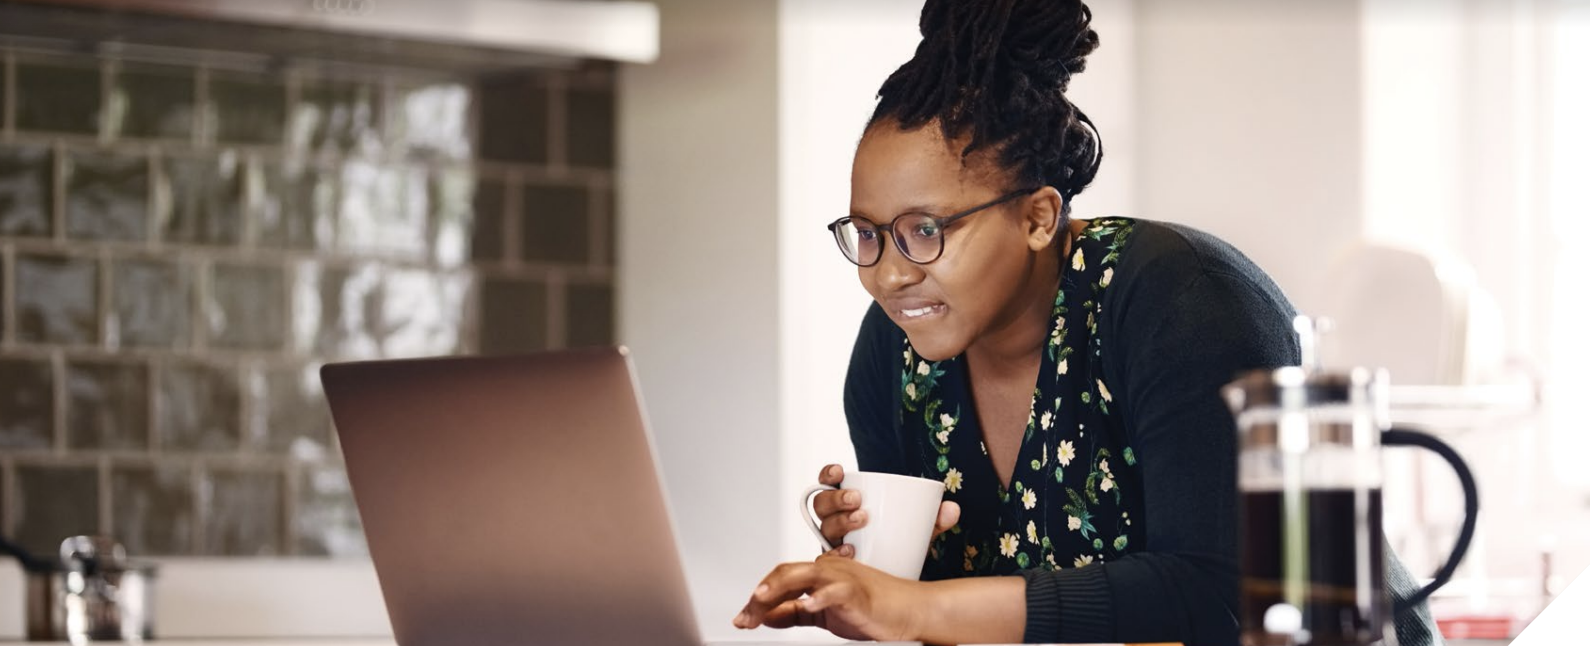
x=450 y=34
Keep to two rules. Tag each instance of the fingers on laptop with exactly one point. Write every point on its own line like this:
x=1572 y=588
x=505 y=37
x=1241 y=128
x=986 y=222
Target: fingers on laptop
x=785 y=583
x=789 y=615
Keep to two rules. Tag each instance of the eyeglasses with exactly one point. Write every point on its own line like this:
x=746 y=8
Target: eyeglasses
x=922 y=243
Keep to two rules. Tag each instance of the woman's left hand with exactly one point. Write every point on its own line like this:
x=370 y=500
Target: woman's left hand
x=844 y=597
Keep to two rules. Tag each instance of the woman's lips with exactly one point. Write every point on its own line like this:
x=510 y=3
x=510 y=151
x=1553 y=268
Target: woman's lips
x=922 y=312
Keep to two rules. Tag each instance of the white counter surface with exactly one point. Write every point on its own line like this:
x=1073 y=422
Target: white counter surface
x=270 y=599
x=248 y=642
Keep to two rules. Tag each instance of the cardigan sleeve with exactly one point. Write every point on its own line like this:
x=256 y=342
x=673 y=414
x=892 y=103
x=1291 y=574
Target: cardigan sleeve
x=871 y=389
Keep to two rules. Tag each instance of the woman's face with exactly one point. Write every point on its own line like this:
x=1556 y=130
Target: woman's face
x=971 y=290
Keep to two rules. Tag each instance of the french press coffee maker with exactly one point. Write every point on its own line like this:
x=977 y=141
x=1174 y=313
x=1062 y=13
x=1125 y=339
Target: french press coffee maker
x=1309 y=480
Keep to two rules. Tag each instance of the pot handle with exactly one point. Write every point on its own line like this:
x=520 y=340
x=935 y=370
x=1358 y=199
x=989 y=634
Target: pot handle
x=1471 y=506
x=30 y=563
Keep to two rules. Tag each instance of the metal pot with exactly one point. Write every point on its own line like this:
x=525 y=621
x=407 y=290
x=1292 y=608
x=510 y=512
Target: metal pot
x=93 y=593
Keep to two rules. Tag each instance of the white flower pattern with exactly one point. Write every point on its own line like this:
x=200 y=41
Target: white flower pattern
x=1016 y=538
x=1008 y=544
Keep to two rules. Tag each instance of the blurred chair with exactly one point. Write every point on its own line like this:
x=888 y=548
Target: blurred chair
x=1415 y=313
x=1422 y=316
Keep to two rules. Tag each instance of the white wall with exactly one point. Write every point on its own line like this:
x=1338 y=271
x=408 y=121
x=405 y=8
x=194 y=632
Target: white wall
x=1248 y=127
x=1107 y=92
x=1293 y=128
x=833 y=55
x=1459 y=136
x=698 y=284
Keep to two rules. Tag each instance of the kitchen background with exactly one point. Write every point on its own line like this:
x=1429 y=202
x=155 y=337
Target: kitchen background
x=186 y=241
x=188 y=233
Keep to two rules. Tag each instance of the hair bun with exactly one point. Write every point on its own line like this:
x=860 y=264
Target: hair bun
x=1049 y=40
x=998 y=70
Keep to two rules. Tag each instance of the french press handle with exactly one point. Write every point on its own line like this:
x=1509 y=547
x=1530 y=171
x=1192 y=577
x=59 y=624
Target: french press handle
x=1471 y=506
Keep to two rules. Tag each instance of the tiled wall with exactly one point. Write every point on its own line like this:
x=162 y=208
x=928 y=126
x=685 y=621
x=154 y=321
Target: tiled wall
x=183 y=244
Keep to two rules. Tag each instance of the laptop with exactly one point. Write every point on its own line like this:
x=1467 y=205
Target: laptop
x=512 y=500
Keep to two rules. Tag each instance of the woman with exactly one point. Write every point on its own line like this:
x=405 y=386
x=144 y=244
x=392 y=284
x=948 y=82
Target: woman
x=1060 y=376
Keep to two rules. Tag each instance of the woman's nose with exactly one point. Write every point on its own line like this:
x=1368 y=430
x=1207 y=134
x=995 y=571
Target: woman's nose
x=894 y=271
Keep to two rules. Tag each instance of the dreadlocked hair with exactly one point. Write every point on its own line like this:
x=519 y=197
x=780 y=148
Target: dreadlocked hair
x=998 y=70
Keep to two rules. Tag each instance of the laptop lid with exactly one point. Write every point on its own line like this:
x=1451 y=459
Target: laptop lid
x=512 y=500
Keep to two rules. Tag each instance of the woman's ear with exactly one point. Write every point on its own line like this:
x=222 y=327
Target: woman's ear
x=1042 y=221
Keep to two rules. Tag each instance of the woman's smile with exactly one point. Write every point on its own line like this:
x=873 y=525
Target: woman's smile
x=920 y=313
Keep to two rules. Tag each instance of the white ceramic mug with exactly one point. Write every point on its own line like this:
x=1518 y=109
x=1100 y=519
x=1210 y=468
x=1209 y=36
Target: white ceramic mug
x=900 y=515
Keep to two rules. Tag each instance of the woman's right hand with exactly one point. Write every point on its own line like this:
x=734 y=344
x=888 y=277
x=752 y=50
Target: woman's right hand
x=840 y=511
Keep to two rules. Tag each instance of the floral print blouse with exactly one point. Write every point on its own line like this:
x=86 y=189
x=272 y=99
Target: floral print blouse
x=1076 y=490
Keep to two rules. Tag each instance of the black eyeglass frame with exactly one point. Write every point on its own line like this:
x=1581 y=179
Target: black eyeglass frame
x=943 y=224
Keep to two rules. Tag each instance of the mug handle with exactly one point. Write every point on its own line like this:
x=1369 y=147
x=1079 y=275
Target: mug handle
x=810 y=515
x=1471 y=505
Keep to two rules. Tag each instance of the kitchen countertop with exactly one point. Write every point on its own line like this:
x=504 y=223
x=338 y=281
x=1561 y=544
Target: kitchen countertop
x=302 y=641
x=273 y=600
x=344 y=598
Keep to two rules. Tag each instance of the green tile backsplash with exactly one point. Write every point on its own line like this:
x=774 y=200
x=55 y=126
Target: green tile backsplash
x=182 y=247
x=153 y=101
x=591 y=114
x=154 y=511
x=241 y=512
x=60 y=96
x=208 y=194
x=27 y=404
x=196 y=405
x=107 y=195
x=26 y=189
x=245 y=310
x=557 y=227
x=56 y=299
x=53 y=500
x=153 y=303
x=107 y=405
x=246 y=109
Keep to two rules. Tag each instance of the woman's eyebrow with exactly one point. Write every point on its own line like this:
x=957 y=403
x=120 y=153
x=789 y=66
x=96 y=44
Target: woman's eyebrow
x=916 y=208
x=920 y=208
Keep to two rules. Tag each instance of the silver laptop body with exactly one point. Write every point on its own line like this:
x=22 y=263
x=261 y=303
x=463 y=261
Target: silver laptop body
x=512 y=501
